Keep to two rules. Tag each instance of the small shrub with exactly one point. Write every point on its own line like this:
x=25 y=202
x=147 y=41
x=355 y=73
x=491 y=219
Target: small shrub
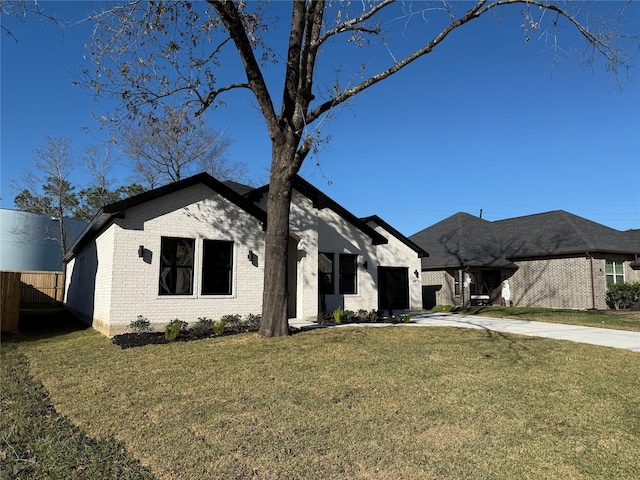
x=338 y=315
x=232 y=321
x=202 y=328
x=349 y=316
x=324 y=318
x=405 y=318
x=622 y=295
x=174 y=327
x=218 y=327
x=362 y=315
x=373 y=315
x=252 y=322
x=171 y=331
x=140 y=325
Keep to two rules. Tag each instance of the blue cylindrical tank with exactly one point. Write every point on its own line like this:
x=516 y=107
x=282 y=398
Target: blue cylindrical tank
x=27 y=240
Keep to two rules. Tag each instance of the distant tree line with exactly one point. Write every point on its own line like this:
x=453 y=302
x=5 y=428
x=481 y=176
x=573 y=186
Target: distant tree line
x=157 y=151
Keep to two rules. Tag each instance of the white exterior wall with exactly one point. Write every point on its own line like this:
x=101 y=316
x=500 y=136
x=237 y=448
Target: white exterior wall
x=397 y=254
x=89 y=277
x=103 y=291
x=338 y=236
x=128 y=285
x=304 y=228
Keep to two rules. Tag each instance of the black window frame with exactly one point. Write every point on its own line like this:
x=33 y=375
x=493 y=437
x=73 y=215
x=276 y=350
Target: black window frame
x=348 y=274
x=326 y=280
x=217 y=276
x=175 y=267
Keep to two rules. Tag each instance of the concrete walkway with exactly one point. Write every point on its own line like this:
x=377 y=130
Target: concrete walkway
x=595 y=336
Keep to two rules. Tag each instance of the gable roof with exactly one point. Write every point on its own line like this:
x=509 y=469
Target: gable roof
x=465 y=240
x=239 y=188
x=377 y=220
x=320 y=201
x=462 y=240
x=118 y=209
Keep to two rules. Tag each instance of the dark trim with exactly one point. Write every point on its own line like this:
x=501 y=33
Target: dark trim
x=118 y=209
x=376 y=219
x=321 y=201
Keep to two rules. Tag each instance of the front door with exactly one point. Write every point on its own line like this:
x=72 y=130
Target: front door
x=393 y=288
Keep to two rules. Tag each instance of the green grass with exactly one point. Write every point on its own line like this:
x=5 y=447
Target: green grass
x=36 y=442
x=357 y=403
x=616 y=319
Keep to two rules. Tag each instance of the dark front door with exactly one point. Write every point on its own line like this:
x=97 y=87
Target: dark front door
x=393 y=288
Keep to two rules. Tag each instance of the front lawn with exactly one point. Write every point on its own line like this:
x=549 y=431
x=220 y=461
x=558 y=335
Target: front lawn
x=356 y=403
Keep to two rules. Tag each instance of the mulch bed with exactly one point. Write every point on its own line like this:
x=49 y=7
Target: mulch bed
x=130 y=340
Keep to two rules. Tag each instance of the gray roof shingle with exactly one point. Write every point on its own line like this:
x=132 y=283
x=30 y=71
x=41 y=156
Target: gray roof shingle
x=465 y=240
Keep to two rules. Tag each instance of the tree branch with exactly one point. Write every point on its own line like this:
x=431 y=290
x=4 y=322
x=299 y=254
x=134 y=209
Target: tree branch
x=479 y=9
x=232 y=20
x=292 y=73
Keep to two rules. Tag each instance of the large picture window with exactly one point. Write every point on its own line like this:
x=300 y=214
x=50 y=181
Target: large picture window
x=348 y=273
x=176 y=266
x=615 y=272
x=217 y=267
x=325 y=273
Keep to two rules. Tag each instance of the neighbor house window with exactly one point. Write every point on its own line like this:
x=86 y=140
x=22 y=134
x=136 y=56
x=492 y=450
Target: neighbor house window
x=217 y=267
x=325 y=273
x=348 y=269
x=615 y=272
x=176 y=266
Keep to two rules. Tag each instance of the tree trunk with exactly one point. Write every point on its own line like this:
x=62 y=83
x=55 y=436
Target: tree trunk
x=274 y=321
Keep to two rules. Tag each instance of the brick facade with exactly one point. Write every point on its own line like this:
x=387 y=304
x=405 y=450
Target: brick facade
x=115 y=277
x=548 y=283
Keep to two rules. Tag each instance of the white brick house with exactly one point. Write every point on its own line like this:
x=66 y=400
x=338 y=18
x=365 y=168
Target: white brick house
x=195 y=249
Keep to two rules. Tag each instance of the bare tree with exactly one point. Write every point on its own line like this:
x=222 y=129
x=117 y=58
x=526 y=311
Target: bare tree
x=172 y=146
x=99 y=162
x=149 y=54
x=19 y=11
x=47 y=189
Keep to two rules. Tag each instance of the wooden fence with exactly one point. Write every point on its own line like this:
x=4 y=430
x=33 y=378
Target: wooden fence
x=10 y=298
x=40 y=288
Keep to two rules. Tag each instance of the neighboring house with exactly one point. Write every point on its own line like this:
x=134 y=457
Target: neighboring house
x=30 y=241
x=554 y=259
x=195 y=248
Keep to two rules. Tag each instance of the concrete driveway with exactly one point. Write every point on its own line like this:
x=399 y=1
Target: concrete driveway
x=595 y=336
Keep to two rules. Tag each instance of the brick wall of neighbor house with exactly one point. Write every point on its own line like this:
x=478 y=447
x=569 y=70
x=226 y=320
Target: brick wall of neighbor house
x=631 y=275
x=397 y=254
x=338 y=236
x=441 y=284
x=553 y=283
x=197 y=213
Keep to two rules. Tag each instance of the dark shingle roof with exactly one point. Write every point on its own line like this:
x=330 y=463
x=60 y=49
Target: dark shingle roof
x=118 y=209
x=239 y=188
x=378 y=221
x=465 y=240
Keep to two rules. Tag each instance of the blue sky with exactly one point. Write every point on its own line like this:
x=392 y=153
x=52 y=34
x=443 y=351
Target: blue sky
x=485 y=122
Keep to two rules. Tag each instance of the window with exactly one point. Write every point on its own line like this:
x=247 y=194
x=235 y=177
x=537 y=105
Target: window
x=615 y=272
x=348 y=273
x=325 y=273
x=217 y=267
x=176 y=266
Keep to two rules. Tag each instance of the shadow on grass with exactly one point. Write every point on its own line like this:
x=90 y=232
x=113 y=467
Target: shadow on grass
x=39 y=443
x=44 y=322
